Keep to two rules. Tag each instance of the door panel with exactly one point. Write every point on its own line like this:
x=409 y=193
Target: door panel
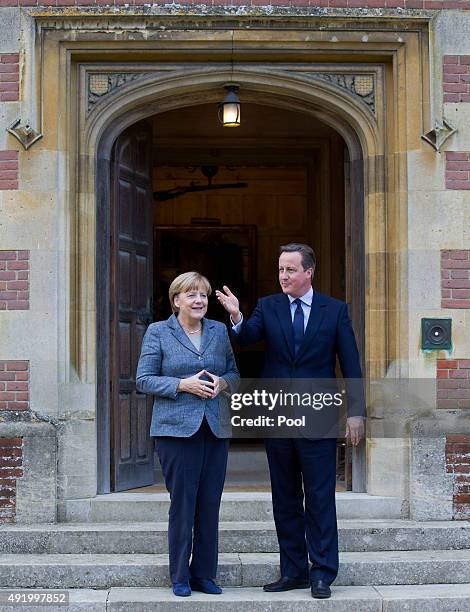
x=125 y=427
x=125 y=207
x=125 y=370
x=141 y=270
x=125 y=277
x=132 y=276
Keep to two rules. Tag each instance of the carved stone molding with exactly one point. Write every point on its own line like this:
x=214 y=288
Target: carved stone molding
x=100 y=84
x=441 y=132
x=361 y=86
x=23 y=132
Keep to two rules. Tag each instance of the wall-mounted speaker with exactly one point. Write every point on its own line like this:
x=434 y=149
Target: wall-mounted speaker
x=436 y=334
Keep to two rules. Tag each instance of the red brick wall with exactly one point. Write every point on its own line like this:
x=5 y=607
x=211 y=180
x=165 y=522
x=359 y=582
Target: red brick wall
x=457 y=169
x=14 y=280
x=9 y=76
x=409 y=4
x=456 y=78
x=453 y=383
x=14 y=385
x=8 y=169
x=11 y=461
x=458 y=464
x=455 y=278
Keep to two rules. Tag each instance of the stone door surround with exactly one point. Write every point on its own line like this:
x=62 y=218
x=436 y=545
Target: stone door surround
x=106 y=72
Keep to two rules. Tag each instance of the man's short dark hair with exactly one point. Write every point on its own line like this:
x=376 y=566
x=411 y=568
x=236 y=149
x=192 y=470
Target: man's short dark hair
x=308 y=255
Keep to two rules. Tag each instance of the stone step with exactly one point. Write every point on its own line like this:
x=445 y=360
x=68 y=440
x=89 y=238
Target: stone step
x=244 y=569
x=243 y=537
x=434 y=598
x=236 y=506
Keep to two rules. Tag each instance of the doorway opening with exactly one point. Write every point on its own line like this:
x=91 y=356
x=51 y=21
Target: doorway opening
x=294 y=171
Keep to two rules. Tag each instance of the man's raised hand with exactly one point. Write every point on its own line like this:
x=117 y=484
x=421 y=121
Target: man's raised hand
x=230 y=302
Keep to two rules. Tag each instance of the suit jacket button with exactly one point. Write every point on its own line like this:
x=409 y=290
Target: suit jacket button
x=199 y=357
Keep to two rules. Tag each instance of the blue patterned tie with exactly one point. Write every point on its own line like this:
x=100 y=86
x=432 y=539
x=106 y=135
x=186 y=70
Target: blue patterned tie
x=298 y=325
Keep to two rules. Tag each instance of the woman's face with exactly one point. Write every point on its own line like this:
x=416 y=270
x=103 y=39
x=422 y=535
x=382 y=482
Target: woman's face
x=192 y=304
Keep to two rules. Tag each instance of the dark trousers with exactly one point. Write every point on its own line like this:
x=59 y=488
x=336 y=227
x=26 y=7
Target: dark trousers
x=299 y=467
x=194 y=471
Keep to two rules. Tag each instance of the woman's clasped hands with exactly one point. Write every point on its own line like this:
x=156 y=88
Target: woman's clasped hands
x=203 y=388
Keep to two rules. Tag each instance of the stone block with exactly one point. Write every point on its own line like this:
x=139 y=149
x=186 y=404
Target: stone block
x=76 y=459
x=251 y=599
x=426 y=171
x=443 y=214
x=430 y=597
x=36 y=489
x=458 y=115
x=38 y=170
x=431 y=488
x=361 y=535
x=451 y=33
x=22 y=213
x=77 y=401
x=387 y=466
x=9 y=30
x=424 y=283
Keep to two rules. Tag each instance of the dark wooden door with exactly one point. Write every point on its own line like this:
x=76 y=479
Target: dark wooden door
x=131 y=295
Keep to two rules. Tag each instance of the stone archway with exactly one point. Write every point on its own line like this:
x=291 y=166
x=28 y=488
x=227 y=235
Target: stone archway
x=150 y=95
x=159 y=59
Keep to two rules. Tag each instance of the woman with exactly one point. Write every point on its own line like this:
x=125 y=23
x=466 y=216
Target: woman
x=186 y=362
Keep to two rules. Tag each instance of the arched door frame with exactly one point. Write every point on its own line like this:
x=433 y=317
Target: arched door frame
x=364 y=136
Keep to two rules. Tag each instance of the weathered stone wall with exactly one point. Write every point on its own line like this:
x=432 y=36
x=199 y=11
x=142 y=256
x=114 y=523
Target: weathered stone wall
x=33 y=190
x=366 y=4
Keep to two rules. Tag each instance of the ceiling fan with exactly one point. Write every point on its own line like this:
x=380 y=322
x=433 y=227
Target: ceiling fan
x=209 y=172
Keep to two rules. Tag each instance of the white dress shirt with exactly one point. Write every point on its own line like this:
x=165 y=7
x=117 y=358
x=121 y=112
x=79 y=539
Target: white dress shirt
x=306 y=300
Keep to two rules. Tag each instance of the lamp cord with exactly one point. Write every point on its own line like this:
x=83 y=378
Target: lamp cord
x=233 y=32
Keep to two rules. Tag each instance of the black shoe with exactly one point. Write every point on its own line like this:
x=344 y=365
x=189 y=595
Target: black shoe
x=286 y=584
x=320 y=590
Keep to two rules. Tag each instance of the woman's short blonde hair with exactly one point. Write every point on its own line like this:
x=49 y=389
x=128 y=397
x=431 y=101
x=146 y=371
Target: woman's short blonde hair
x=189 y=281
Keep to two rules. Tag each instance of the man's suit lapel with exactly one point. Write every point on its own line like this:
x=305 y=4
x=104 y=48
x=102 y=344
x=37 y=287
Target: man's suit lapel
x=317 y=312
x=285 y=320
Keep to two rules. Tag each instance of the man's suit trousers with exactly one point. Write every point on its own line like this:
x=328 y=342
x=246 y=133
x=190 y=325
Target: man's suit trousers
x=305 y=531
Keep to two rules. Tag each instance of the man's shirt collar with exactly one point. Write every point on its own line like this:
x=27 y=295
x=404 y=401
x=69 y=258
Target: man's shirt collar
x=307 y=298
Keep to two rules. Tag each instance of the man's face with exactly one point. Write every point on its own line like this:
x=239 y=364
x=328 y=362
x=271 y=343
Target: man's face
x=293 y=279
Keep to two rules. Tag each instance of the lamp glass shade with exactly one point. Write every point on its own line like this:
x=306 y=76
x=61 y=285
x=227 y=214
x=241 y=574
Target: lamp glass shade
x=231 y=114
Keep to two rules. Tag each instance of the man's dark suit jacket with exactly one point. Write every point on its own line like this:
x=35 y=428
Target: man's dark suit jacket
x=329 y=334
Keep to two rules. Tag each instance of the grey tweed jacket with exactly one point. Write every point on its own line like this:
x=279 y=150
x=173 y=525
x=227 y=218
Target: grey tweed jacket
x=168 y=355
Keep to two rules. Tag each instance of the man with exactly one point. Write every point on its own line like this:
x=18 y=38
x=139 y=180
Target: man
x=304 y=331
